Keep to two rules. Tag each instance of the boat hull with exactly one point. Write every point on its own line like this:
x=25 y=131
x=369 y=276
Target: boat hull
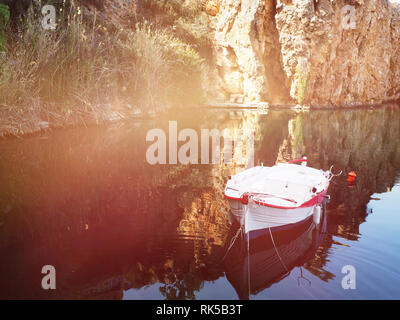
x=258 y=217
x=261 y=267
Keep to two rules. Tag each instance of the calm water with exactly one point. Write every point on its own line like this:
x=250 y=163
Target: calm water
x=87 y=202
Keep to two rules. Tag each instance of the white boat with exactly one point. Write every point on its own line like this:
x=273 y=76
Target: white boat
x=287 y=193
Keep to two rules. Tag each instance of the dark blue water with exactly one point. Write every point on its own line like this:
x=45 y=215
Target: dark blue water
x=114 y=227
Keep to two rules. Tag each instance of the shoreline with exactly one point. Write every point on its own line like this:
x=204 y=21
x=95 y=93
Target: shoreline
x=21 y=123
x=296 y=107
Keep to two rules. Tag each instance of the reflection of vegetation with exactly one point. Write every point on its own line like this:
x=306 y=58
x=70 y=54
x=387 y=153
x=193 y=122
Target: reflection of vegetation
x=298 y=139
x=182 y=289
x=316 y=264
x=353 y=140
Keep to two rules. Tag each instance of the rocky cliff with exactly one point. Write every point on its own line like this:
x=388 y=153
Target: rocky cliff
x=322 y=52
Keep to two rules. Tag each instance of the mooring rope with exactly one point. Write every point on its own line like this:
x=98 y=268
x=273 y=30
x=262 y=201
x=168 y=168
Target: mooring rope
x=248 y=261
x=276 y=250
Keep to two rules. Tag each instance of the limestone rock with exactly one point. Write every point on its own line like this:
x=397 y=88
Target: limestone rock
x=211 y=7
x=248 y=51
x=322 y=52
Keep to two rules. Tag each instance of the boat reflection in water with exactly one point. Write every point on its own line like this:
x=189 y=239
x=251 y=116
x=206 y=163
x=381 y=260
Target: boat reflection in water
x=264 y=257
x=86 y=201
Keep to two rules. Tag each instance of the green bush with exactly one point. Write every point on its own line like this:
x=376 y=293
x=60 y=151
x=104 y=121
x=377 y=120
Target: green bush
x=184 y=19
x=4 y=19
x=86 y=62
x=53 y=66
x=167 y=70
x=302 y=75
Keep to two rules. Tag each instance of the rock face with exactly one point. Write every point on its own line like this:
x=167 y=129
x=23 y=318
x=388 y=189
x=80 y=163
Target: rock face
x=248 y=51
x=308 y=51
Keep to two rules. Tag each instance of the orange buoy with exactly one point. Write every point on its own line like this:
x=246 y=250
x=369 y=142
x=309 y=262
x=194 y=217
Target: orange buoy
x=351 y=177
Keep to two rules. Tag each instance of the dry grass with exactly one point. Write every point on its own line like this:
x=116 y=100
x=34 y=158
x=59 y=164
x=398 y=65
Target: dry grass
x=85 y=63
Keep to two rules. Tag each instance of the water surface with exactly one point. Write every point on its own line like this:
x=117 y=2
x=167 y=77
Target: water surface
x=86 y=201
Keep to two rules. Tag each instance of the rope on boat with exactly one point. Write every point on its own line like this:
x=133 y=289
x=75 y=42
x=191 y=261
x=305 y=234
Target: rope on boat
x=332 y=175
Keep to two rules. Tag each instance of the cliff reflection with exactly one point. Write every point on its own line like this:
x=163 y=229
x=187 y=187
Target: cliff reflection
x=87 y=202
x=364 y=141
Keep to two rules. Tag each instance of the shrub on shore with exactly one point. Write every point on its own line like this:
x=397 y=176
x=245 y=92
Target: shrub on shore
x=185 y=19
x=4 y=19
x=166 y=70
x=85 y=62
